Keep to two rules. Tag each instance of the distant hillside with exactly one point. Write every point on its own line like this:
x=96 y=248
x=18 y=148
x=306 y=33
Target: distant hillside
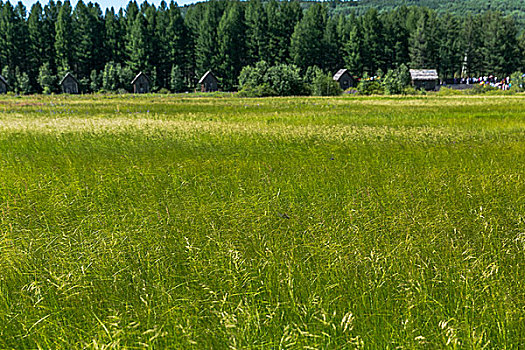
x=514 y=8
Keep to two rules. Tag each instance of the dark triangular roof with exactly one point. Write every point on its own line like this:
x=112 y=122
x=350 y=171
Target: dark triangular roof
x=68 y=75
x=138 y=76
x=3 y=79
x=339 y=74
x=206 y=75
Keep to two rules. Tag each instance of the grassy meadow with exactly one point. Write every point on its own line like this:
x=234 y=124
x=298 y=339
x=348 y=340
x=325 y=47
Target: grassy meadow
x=179 y=222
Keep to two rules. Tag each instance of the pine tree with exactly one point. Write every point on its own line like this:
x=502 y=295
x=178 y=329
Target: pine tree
x=352 y=46
x=114 y=46
x=256 y=32
x=450 y=53
x=176 y=79
x=138 y=58
x=373 y=42
x=64 y=38
x=232 y=49
x=207 y=45
x=46 y=78
x=471 y=43
x=308 y=45
x=37 y=49
x=419 y=46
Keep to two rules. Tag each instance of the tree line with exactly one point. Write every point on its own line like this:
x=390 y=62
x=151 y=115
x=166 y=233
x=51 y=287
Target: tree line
x=174 y=46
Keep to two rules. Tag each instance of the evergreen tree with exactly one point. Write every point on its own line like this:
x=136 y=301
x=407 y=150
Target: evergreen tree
x=396 y=38
x=256 y=32
x=114 y=38
x=64 y=39
x=37 y=49
x=471 y=43
x=450 y=53
x=333 y=55
x=207 y=45
x=308 y=45
x=373 y=44
x=176 y=79
x=46 y=78
x=232 y=48
x=88 y=50
x=419 y=46
x=352 y=46
x=137 y=47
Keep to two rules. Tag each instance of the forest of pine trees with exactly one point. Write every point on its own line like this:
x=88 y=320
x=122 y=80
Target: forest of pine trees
x=175 y=45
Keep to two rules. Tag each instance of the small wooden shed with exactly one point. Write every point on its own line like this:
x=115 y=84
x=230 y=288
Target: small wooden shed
x=425 y=79
x=69 y=84
x=209 y=82
x=3 y=85
x=344 y=79
x=141 y=84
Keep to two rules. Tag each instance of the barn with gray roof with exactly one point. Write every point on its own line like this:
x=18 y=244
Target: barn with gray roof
x=425 y=79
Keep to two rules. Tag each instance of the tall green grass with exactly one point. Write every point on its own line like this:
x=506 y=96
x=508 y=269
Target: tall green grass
x=214 y=223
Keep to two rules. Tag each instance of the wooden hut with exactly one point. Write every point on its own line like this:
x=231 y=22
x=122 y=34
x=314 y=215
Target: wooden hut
x=69 y=84
x=344 y=79
x=141 y=84
x=209 y=82
x=425 y=79
x=3 y=85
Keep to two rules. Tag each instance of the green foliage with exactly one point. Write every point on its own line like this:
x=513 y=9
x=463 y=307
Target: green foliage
x=176 y=79
x=232 y=48
x=263 y=90
x=95 y=81
x=325 y=85
x=445 y=91
x=46 y=79
x=307 y=42
x=21 y=82
x=370 y=86
x=312 y=73
x=281 y=80
x=225 y=36
x=517 y=80
x=396 y=80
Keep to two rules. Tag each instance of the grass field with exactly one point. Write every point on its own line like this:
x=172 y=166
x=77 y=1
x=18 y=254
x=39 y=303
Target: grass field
x=215 y=223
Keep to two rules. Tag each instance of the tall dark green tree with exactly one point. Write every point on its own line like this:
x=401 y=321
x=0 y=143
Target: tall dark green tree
x=308 y=40
x=207 y=45
x=373 y=54
x=64 y=38
x=352 y=45
x=256 y=31
x=232 y=47
x=88 y=49
x=114 y=37
x=137 y=46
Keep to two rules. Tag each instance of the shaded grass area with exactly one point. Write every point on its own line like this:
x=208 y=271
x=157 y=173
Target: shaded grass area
x=262 y=223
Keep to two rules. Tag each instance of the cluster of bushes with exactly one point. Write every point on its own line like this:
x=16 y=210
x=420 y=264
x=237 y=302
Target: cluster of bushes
x=395 y=82
x=285 y=80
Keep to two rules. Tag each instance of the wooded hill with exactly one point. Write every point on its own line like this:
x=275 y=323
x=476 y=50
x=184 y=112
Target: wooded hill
x=174 y=46
x=513 y=8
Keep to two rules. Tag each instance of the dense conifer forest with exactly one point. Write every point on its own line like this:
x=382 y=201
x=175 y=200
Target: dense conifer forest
x=175 y=45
